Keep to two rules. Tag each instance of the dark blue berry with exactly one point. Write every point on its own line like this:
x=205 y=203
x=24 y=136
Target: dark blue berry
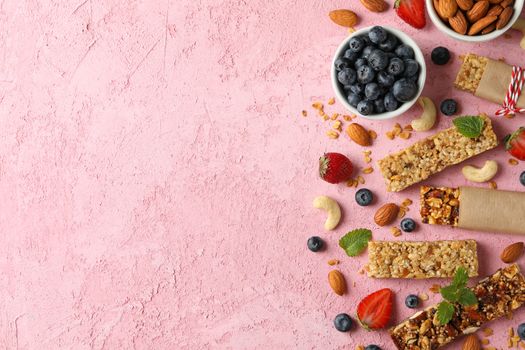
x=351 y=55
x=372 y=91
x=379 y=105
x=378 y=60
x=412 y=301
x=367 y=51
x=385 y=79
x=356 y=44
x=364 y=197
x=521 y=331
x=396 y=66
x=404 y=51
x=341 y=63
x=372 y=347
x=360 y=62
x=347 y=76
x=440 y=55
x=315 y=243
x=357 y=88
x=354 y=99
x=390 y=102
x=389 y=44
x=408 y=225
x=448 y=106
x=404 y=90
x=411 y=68
x=365 y=74
x=522 y=178
x=343 y=322
x=365 y=107
x=377 y=34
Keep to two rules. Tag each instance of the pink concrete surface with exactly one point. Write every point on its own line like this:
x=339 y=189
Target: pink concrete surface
x=156 y=175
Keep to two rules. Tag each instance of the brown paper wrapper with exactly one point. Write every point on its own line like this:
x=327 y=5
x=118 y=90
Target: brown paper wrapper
x=495 y=82
x=485 y=209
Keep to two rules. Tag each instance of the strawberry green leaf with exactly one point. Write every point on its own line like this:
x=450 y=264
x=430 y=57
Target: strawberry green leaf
x=469 y=126
x=460 y=277
x=466 y=297
x=354 y=242
x=445 y=311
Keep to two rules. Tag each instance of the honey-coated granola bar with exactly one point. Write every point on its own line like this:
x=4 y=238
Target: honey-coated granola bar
x=439 y=205
x=470 y=73
x=498 y=295
x=437 y=259
x=433 y=154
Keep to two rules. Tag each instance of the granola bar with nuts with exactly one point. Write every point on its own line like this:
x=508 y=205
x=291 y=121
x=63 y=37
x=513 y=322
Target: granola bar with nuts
x=498 y=295
x=433 y=154
x=404 y=259
x=439 y=205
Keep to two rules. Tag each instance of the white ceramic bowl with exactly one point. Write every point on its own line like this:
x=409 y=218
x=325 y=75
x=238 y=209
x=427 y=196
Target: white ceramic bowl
x=405 y=39
x=442 y=26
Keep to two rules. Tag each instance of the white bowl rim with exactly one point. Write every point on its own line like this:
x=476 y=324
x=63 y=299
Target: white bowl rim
x=518 y=7
x=418 y=55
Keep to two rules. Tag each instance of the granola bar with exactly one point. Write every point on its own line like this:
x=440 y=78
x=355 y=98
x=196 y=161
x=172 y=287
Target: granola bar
x=470 y=73
x=498 y=295
x=403 y=259
x=433 y=154
x=440 y=205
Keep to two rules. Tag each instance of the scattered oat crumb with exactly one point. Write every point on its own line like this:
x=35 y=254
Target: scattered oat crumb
x=360 y=347
x=493 y=184
x=334 y=116
x=373 y=134
x=347 y=118
x=367 y=152
x=435 y=288
x=332 y=134
x=390 y=135
x=487 y=331
x=333 y=262
x=509 y=116
x=351 y=30
x=408 y=127
x=337 y=125
x=513 y=161
x=331 y=101
x=396 y=232
x=397 y=129
x=405 y=135
x=368 y=170
x=402 y=212
x=305 y=113
x=406 y=202
x=360 y=179
x=317 y=105
x=423 y=296
x=485 y=341
x=511 y=332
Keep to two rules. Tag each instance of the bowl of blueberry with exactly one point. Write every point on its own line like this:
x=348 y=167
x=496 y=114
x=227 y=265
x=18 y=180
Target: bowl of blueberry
x=378 y=72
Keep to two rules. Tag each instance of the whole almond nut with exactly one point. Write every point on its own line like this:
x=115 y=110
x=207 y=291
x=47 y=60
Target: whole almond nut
x=375 y=5
x=481 y=24
x=506 y=3
x=495 y=1
x=345 y=18
x=459 y=23
x=386 y=214
x=489 y=29
x=337 y=282
x=495 y=10
x=478 y=11
x=471 y=343
x=358 y=134
x=465 y=5
x=436 y=7
x=448 y=8
x=512 y=252
x=504 y=17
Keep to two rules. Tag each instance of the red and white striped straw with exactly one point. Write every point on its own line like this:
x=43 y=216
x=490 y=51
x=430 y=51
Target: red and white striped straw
x=513 y=93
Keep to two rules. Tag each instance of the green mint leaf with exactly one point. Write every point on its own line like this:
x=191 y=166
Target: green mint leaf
x=469 y=126
x=460 y=277
x=467 y=297
x=450 y=293
x=354 y=242
x=445 y=311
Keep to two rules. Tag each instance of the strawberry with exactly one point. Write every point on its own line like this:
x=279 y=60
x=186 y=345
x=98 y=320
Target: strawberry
x=335 y=167
x=515 y=143
x=373 y=312
x=412 y=12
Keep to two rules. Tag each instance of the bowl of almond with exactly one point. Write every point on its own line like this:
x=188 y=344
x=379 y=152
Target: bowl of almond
x=474 y=20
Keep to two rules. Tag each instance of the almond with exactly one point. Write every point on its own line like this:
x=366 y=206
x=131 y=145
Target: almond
x=358 y=134
x=481 y=24
x=375 y=5
x=436 y=7
x=471 y=343
x=345 y=18
x=506 y=3
x=504 y=17
x=512 y=252
x=489 y=29
x=465 y=5
x=459 y=23
x=495 y=10
x=478 y=11
x=495 y=1
x=337 y=282
x=448 y=8
x=386 y=214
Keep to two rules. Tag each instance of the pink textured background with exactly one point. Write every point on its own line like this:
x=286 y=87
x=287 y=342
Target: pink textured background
x=156 y=176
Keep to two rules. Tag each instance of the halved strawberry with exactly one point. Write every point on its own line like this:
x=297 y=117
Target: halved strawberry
x=412 y=12
x=373 y=312
x=515 y=143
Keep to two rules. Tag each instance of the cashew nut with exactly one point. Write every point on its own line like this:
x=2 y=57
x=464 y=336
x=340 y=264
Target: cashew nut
x=520 y=25
x=428 y=118
x=484 y=174
x=332 y=209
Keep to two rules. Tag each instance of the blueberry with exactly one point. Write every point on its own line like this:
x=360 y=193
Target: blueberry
x=341 y=63
x=522 y=178
x=364 y=197
x=357 y=88
x=521 y=331
x=343 y=322
x=440 y=55
x=385 y=79
x=351 y=55
x=389 y=44
x=411 y=68
x=412 y=301
x=365 y=74
x=396 y=66
x=372 y=347
x=390 y=102
x=404 y=51
x=408 y=225
x=360 y=62
x=356 y=44
x=367 y=51
x=378 y=60
x=354 y=99
x=379 y=105
x=372 y=91
x=347 y=76
x=404 y=90
x=365 y=107
x=315 y=243
x=377 y=34
x=448 y=106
